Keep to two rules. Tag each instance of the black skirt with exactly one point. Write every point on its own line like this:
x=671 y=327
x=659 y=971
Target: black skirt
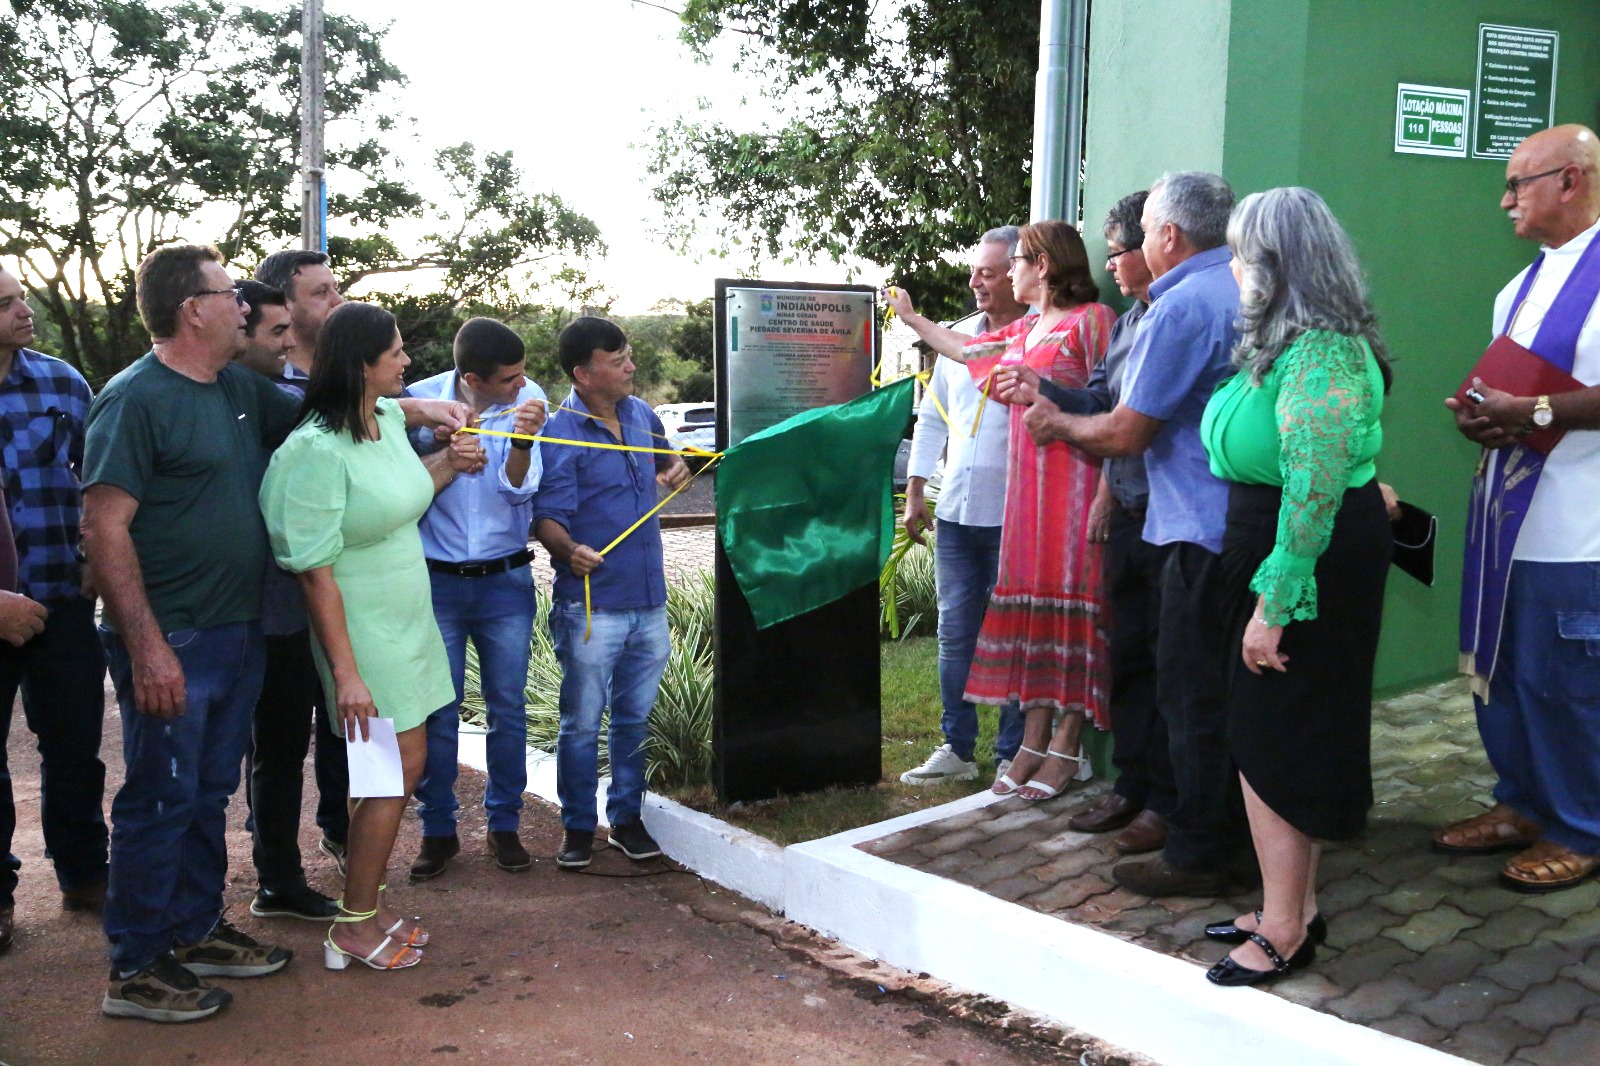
x=1302 y=739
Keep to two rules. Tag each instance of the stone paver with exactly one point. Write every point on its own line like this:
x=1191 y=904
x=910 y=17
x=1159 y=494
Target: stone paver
x=1421 y=946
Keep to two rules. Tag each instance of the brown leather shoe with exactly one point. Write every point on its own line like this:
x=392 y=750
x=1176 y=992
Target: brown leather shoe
x=1548 y=867
x=1498 y=829
x=7 y=926
x=508 y=852
x=1147 y=832
x=1156 y=878
x=1112 y=812
x=91 y=899
x=435 y=856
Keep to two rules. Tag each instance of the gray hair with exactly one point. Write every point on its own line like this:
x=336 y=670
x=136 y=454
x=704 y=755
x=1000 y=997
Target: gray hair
x=1300 y=273
x=1195 y=201
x=1006 y=235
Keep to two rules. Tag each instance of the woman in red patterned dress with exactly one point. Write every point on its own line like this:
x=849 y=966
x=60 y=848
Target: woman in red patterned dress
x=1043 y=641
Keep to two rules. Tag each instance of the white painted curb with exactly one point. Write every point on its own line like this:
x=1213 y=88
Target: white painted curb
x=1094 y=982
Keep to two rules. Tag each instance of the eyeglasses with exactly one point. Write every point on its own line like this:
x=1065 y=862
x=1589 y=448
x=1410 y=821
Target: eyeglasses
x=1029 y=258
x=1514 y=185
x=1111 y=260
x=237 y=294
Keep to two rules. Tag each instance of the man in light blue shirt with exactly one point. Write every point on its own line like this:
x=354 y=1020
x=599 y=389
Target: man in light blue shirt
x=1182 y=349
x=475 y=537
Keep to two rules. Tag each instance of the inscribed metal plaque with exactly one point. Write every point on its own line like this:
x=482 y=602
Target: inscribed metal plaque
x=1516 y=91
x=790 y=350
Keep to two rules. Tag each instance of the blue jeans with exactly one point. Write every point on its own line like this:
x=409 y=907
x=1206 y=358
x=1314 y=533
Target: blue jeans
x=621 y=666
x=966 y=560
x=1541 y=723
x=496 y=611
x=60 y=673
x=169 y=858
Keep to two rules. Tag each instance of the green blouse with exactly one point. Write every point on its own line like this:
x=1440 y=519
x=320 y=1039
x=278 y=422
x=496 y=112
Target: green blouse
x=1311 y=426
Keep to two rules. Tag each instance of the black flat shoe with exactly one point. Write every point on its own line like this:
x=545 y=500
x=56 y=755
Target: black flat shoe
x=1228 y=933
x=1230 y=973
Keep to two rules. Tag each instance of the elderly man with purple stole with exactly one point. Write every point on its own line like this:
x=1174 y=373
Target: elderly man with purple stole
x=1531 y=598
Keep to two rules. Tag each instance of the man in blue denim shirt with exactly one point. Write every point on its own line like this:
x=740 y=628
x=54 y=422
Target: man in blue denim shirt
x=475 y=536
x=588 y=497
x=1183 y=347
x=43 y=402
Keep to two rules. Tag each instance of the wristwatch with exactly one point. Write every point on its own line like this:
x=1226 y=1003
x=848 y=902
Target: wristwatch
x=1542 y=414
x=527 y=445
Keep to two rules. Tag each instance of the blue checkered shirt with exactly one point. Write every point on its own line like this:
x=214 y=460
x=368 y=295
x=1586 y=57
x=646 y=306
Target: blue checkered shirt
x=43 y=402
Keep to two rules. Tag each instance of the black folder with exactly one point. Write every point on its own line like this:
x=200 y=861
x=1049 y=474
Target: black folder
x=1415 y=533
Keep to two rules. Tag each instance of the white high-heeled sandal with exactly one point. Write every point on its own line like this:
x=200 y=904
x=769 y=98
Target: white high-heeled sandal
x=335 y=957
x=1051 y=791
x=1005 y=778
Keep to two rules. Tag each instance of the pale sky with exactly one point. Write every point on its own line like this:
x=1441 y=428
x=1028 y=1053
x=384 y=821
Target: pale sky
x=573 y=88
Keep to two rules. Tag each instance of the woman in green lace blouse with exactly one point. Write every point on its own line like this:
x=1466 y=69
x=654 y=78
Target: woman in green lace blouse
x=1296 y=432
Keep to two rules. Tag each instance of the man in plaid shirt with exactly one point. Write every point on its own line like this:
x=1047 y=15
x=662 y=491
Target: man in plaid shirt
x=60 y=671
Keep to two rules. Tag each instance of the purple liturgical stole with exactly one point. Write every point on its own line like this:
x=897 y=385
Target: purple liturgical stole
x=1502 y=488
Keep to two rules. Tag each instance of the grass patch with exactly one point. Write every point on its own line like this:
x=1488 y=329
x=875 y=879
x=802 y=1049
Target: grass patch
x=911 y=711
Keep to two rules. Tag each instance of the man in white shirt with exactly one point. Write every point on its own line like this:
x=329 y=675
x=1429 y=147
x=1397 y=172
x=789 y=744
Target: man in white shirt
x=971 y=505
x=1531 y=611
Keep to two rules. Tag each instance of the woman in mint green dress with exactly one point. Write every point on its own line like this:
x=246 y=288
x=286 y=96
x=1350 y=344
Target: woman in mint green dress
x=1296 y=432
x=342 y=497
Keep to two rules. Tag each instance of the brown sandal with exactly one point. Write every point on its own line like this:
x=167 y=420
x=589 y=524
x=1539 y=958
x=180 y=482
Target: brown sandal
x=1548 y=867
x=1498 y=829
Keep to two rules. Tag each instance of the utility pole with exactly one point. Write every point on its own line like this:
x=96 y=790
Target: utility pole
x=1058 y=109
x=313 y=188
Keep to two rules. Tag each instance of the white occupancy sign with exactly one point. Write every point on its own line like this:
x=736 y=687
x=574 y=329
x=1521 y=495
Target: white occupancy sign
x=1430 y=120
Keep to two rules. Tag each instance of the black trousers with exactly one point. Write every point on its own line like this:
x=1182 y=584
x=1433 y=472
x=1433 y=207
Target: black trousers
x=1139 y=734
x=288 y=713
x=1206 y=830
x=61 y=673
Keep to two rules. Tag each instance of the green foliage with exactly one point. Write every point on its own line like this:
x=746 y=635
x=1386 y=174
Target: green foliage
x=132 y=123
x=904 y=133
x=906 y=586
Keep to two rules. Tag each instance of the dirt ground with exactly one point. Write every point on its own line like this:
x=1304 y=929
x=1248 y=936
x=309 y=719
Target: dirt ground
x=632 y=963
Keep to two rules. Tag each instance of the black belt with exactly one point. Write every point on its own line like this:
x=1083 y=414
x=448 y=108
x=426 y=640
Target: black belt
x=484 y=569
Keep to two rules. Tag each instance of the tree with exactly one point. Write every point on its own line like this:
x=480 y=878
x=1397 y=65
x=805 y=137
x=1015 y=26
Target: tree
x=132 y=123
x=905 y=134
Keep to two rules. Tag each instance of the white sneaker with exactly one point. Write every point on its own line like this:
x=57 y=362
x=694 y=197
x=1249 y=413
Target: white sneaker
x=942 y=765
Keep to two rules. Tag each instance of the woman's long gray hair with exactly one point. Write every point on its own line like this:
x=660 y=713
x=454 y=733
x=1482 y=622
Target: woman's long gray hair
x=1300 y=273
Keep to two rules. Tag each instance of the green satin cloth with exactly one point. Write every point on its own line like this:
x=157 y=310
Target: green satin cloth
x=805 y=508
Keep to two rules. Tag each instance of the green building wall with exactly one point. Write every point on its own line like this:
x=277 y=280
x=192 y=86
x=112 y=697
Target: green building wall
x=1302 y=92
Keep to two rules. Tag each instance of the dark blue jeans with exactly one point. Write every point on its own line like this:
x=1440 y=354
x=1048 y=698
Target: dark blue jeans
x=496 y=611
x=169 y=857
x=966 y=559
x=59 y=672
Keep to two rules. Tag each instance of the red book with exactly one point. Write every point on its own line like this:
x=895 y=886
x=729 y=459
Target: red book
x=1509 y=367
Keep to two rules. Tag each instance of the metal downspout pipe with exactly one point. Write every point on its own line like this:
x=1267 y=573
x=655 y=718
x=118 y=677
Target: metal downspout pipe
x=1058 y=109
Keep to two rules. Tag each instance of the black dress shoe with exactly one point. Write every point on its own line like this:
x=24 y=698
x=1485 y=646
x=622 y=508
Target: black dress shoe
x=435 y=856
x=1228 y=972
x=508 y=852
x=635 y=842
x=577 y=848
x=1228 y=933
x=1112 y=812
x=7 y=924
x=297 y=901
x=1157 y=878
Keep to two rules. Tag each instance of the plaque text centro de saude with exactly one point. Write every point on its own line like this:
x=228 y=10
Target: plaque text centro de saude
x=791 y=350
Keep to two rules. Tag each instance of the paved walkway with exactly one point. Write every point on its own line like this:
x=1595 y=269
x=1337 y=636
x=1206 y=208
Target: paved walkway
x=1420 y=946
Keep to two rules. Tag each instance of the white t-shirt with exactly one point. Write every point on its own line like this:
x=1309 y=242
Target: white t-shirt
x=1563 y=523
